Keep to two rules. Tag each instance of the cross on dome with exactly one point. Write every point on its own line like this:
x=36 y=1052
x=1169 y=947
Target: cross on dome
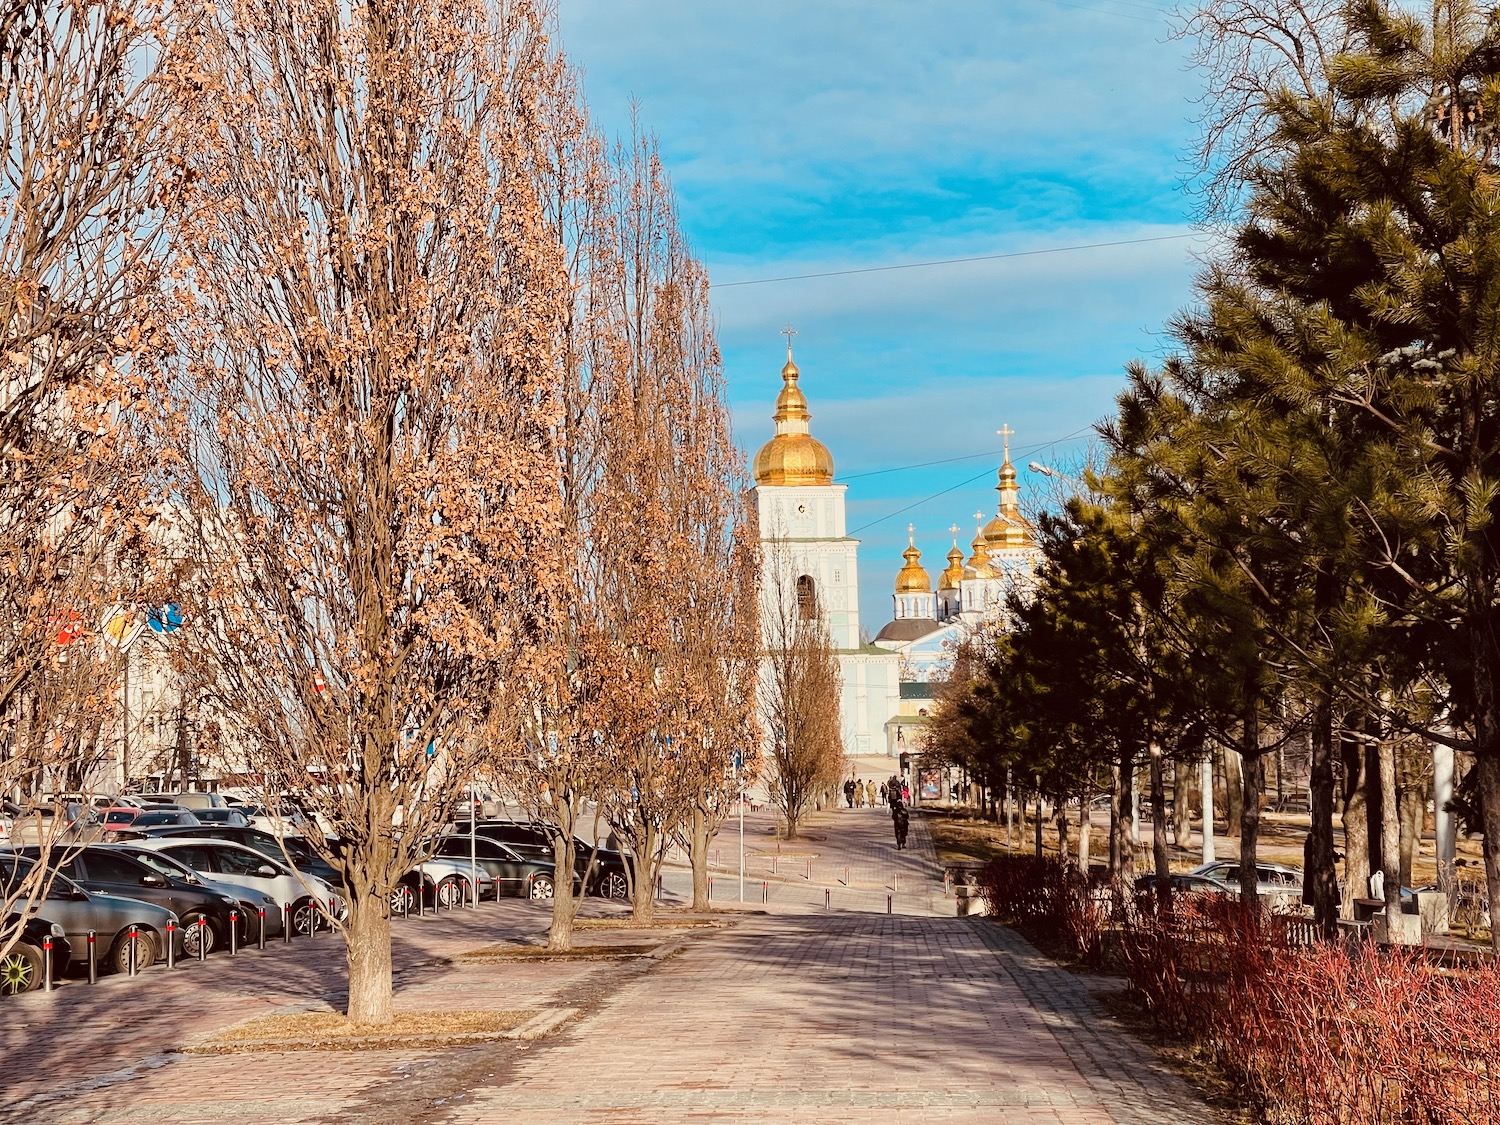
x=789 y=332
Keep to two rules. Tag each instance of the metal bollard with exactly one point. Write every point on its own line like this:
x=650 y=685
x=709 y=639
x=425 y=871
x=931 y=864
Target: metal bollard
x=710 y=888
x=234 y=932
x=846 y=876
x=130 y=952
x=809 y=869
x=171 y=945
x=888 y=904
x=765 y=891
x=421 y=900
x=405 y=901
x=286 y=931
x=47 y=963
x=827 y=899
x=260 y=938
x=716 y=858
x=773 y=860
x=661 y=891
x=202 y=938
x=93 y=959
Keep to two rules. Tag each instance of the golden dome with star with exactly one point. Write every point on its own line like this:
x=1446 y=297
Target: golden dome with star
x=793 y=456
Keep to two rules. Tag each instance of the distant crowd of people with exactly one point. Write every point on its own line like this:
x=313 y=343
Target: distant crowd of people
x=896 y=794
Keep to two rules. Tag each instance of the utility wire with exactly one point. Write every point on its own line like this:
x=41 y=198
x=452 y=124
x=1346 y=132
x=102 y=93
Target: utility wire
x=957 y=261
x=1020 y=452
x=967 y=456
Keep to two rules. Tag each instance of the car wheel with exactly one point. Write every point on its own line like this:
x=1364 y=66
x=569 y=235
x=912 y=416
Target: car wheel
x=541 y=888
x=403 y=900
x=145 y=951
x=305 y=917
x=449 y=893
x=613 y=885
x=20 y=970
x=193 y=934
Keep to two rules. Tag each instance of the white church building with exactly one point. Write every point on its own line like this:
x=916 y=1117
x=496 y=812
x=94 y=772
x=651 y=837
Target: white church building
x=887 y=684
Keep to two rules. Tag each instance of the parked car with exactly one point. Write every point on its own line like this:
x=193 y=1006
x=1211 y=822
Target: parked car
x=110 y=917
x=252 y=902
x=119 y=820
x=22 y=966
x=226 y=862
x=514 y=875
x=1184 y=884
x=442 y=881
x=108 y=869
x=279 y=849
x=1271 y=878
x=230 y=818
x=284 y=821
x=603 y=870
x=195 y=800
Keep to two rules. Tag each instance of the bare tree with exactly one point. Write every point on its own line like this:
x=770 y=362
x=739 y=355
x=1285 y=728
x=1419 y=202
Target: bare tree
x=80 y=242
x=799 y=697
x=1251 y=53
x=361 y=430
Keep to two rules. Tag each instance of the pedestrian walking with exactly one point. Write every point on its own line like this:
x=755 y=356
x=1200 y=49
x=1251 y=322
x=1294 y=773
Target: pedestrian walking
x=884 y=789
x=870 y=793
x=901 y=821
x=905 y=793
x=849 y=792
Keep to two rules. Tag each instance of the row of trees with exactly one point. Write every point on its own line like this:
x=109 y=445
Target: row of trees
x=1294 y=531
x=342 y=329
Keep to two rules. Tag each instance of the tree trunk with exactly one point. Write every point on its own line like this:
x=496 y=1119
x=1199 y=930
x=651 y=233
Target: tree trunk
x=368 y=934
x=1038 y=824
x=1159 y=815
x=643 y=892
x=1084 y=797
x=1253 y=773
x=1234 y=792
x=1062 y=830
x=1356 y=822
x=1411 y=797
x=1320 y=880
x=698 y=854
x=1114 y=823
x=1390 y=827
x=1124 y=820
x=1184 y=798
x=1489 y=813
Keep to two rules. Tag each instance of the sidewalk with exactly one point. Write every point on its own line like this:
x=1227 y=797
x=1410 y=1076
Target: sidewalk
x=852 y=1018
x=848 y=853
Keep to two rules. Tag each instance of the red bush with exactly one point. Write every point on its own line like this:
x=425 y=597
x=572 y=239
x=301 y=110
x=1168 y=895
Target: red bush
x=1048 y=900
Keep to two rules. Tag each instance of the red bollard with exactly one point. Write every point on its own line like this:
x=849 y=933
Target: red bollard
x=888 y=904
x=47 y=963
x=260 y=940
x=827 y=899
x=130 y=951
x=765 y=891
x=93 y=960
x=710 y=888
x=202 y=938
x=234 y=932
x=171 y=945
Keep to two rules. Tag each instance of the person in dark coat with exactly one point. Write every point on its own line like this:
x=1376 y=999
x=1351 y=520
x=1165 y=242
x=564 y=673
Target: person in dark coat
x=901 y=820
x=849 y=792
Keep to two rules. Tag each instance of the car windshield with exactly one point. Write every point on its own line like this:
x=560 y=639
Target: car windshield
x=162 y=865
x=119 y=816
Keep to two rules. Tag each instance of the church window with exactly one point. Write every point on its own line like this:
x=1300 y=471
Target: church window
x=807 y=598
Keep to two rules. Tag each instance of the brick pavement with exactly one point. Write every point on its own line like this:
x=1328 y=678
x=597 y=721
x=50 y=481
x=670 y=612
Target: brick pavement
x=796 y=1015
x=844 y=1018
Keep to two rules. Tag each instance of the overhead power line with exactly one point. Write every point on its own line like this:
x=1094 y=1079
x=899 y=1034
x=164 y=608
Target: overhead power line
x=957 y=261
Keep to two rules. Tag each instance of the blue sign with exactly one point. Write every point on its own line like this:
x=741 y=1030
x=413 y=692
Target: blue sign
x=164 y=618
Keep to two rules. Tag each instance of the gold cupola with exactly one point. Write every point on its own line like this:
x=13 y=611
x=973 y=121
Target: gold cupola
x=793 y=456
x=1009 y=529
x=913 y=578
x=979 y=565
x=954 y=575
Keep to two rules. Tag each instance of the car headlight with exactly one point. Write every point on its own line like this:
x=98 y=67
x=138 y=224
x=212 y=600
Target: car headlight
x=58 y=931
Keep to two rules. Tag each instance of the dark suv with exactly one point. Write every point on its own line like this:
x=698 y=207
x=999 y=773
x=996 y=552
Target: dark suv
x=605 y=875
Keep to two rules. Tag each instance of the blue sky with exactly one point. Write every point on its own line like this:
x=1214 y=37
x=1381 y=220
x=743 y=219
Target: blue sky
x=833 y=135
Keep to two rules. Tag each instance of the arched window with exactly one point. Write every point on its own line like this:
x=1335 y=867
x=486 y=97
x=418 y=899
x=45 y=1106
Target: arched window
x=807 y=598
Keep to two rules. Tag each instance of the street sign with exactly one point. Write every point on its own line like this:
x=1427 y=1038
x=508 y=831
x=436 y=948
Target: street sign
x=164 y=618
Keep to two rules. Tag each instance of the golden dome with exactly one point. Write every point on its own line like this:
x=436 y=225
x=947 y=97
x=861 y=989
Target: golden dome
x=979 y=566
x=793 y=456
x=1009 y=529
x=913 y=577
x=951 y=577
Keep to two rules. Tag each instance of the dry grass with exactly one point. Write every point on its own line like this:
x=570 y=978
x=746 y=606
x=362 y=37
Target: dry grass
x=659 y=924
x=492 y=953
x=331 y=1031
